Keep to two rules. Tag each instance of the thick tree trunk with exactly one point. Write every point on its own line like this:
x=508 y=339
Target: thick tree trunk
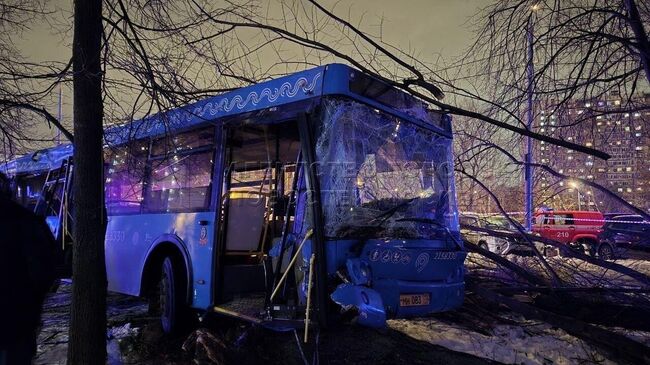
x=87 y=342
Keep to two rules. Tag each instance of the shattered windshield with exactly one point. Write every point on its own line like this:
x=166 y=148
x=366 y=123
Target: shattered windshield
x=381 y=177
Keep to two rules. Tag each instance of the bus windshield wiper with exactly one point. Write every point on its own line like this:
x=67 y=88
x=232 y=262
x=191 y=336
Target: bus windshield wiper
x=435 y=223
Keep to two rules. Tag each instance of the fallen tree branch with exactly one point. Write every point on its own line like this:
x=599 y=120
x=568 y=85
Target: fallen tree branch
x=641 y=277
x=549 y=289
x=617 y=345
x=500 y=260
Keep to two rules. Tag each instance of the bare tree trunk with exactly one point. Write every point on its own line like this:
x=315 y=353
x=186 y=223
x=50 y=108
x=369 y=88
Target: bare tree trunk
x=87 y=343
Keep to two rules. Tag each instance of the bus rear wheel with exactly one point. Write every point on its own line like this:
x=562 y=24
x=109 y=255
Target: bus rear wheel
x=167 y=301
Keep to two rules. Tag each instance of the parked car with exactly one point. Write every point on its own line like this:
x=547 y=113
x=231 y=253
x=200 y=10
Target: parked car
x=622 y=233
x=577 y=229
x=500 y=245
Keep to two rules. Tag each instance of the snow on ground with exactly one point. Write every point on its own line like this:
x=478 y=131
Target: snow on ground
x=533 y=343
x=516 y=341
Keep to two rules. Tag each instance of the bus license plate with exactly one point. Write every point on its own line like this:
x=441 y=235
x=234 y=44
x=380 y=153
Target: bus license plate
x=411 y=300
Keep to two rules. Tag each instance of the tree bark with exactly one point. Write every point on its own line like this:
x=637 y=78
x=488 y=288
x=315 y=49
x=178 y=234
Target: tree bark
x=87 y=340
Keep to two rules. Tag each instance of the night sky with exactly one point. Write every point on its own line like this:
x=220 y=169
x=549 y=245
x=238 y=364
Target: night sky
x=434 y=30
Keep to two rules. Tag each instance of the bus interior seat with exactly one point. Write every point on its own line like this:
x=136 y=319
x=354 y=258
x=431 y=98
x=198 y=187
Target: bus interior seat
x=246 y=220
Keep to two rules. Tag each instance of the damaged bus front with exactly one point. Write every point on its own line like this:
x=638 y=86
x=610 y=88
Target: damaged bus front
x=390 y=234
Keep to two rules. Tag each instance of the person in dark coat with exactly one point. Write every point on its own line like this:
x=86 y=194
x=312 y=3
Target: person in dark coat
x=29 y=259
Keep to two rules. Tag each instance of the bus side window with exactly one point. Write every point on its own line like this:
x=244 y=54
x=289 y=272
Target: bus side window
x=181 y=184
x=125 y=170
x=181 y=177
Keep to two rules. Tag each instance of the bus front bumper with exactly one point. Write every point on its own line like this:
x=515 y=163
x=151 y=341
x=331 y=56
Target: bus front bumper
x=398 y=299
x=404 y=299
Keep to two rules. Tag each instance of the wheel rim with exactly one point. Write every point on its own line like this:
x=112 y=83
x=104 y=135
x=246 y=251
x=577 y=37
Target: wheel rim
x=605 y=252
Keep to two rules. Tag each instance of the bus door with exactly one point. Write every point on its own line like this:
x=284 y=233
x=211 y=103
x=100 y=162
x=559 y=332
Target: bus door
x=255 y=210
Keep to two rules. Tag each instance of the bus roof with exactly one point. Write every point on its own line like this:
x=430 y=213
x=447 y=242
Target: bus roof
x=39 y=161
x=332 y=79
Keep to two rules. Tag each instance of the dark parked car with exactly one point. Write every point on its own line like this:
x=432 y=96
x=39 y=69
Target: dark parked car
x=621 y=234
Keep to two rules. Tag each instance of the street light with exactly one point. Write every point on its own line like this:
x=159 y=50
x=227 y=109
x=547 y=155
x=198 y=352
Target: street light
x=528 y=167
x=574 y=185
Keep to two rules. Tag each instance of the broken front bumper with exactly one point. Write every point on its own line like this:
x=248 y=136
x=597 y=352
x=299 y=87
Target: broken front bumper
x=402 y=279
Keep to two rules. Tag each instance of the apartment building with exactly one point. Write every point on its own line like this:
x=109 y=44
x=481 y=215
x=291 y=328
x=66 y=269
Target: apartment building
x=610 y=125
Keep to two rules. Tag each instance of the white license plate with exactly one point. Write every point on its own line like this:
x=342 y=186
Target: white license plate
x=412 y=300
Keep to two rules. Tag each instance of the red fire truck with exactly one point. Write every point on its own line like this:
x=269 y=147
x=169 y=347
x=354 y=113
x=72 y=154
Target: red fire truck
x=578 y=229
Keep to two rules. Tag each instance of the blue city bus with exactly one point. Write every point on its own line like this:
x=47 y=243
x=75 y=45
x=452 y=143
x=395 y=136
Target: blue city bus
x=305 y=196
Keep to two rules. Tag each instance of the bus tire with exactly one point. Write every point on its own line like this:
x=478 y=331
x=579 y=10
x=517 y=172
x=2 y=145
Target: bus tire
x=170 y=296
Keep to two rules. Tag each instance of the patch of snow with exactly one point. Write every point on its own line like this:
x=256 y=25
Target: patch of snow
x=533 y=344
